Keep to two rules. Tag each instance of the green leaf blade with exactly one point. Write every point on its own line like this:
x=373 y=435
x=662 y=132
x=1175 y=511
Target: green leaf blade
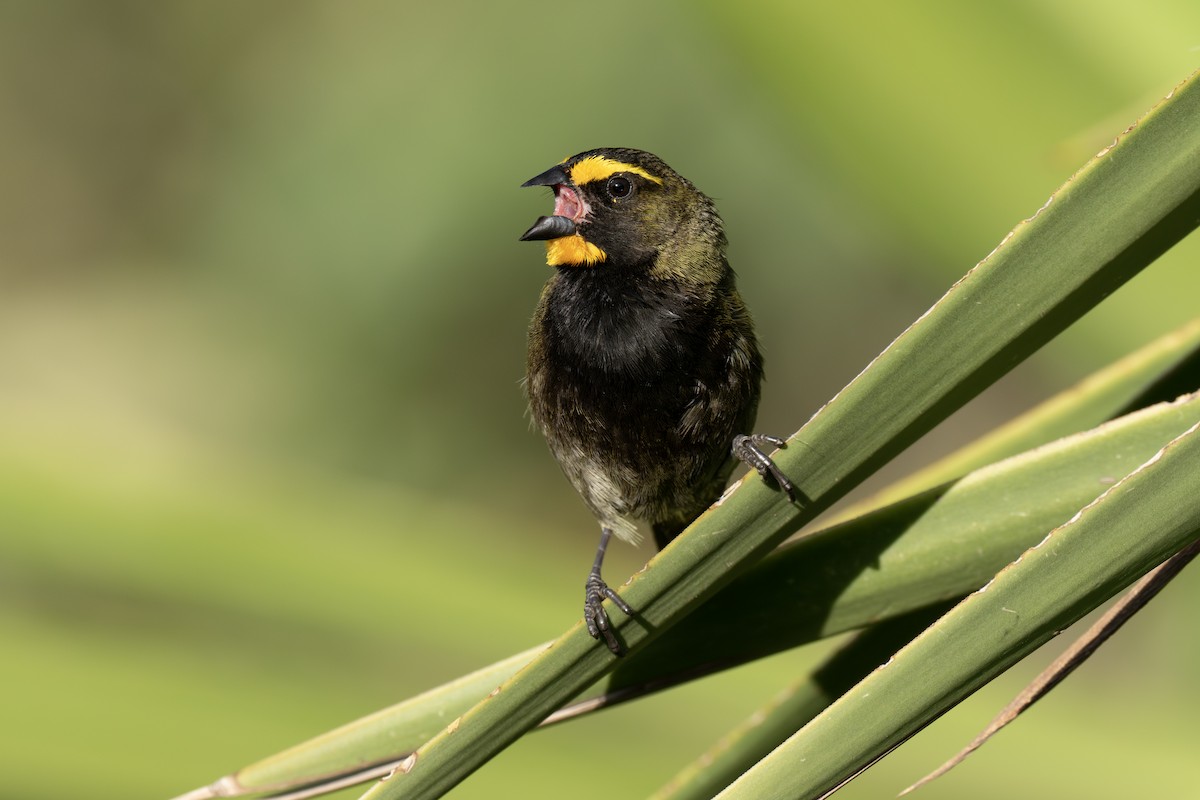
x=393 y=733
x=1128 y=530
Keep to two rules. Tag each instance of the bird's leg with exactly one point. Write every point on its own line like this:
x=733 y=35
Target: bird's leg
x=749 y=450
x=594 y=592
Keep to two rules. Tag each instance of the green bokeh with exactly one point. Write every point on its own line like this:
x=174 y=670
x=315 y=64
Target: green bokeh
x=263 y=459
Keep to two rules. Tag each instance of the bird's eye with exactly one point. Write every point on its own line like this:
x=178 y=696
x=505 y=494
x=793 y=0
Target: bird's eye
x=619 y=187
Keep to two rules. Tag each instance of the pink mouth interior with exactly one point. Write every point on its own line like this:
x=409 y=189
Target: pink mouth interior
x=567 y=203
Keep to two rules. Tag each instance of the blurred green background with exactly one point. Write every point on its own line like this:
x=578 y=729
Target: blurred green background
x=264 y=464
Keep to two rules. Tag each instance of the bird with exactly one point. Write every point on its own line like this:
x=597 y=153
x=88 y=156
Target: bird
x=643 y=371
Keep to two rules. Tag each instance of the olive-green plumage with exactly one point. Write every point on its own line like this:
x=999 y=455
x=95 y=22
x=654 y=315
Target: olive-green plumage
x=642 y=365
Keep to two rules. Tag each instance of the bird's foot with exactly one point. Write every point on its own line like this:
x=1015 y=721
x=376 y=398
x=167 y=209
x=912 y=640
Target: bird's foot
x=749 y=450
x=594 y=615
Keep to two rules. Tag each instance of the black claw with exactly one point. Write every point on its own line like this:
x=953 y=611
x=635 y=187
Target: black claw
x=589 y=617
x=594 y=615
x=617 y=601
x=749 y=450
x=612 y=642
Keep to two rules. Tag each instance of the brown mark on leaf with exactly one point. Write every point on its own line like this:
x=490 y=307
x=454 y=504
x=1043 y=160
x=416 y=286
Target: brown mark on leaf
x=404 y=765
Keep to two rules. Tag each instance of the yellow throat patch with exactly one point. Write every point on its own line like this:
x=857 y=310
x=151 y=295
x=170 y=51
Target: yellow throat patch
x=573 y=251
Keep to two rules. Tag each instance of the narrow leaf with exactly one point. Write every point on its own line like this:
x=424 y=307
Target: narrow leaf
x=793 y=707
x=1151 y=374
x=1073 y=657
x=1156 y=373
x=1150 y=514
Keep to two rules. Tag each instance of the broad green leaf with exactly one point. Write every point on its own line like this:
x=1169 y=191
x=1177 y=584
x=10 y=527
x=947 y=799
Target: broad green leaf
x=1150 y=514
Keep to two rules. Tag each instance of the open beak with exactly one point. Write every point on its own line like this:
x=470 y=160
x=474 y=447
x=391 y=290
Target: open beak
x=569 y=207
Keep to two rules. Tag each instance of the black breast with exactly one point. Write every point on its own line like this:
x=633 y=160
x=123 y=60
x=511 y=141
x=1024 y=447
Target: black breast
x=623 y=357
x=622 y=325
x=643 y=381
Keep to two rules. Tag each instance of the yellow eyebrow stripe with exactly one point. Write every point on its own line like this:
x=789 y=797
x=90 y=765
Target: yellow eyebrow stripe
x=597 y=168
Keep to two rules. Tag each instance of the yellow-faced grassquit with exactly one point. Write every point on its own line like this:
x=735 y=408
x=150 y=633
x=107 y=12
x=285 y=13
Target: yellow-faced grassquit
x=643 y=371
